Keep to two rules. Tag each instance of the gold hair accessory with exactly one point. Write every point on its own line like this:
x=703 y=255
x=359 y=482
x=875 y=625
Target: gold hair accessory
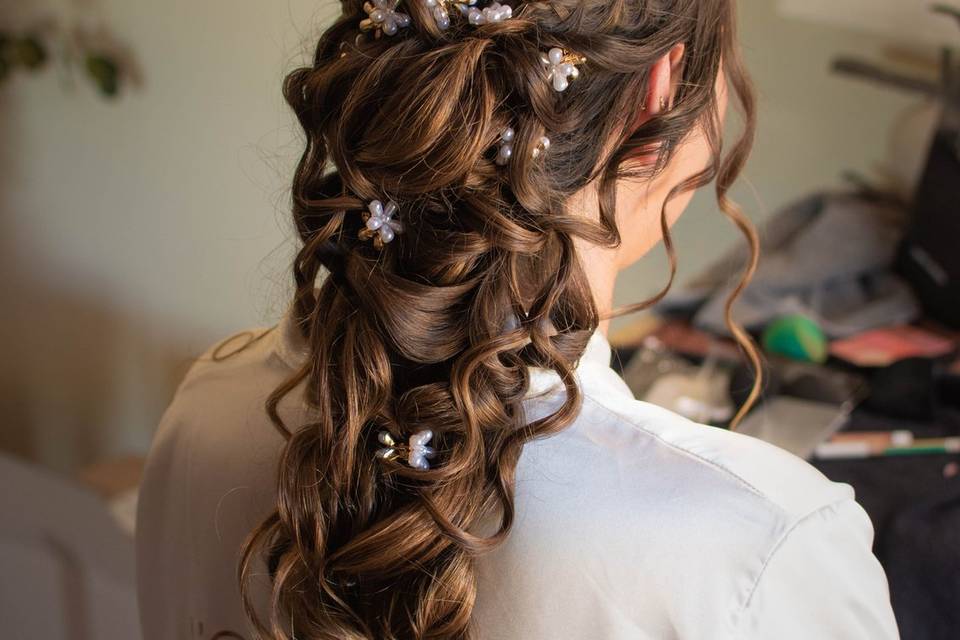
x=415 y=451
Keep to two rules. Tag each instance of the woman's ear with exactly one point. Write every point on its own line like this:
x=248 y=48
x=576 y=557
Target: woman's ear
x=661 y=82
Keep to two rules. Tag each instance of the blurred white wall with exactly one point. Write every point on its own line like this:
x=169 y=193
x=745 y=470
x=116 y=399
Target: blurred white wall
x=900 y=19
x=133 y=233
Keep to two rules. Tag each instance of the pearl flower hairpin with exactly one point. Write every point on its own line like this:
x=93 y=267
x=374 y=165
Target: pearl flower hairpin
x=416 y=450
x=438 y=8
x=379 y=223
x=383 y=15
x=560 y=67
x=505 y=151
x=495 y=12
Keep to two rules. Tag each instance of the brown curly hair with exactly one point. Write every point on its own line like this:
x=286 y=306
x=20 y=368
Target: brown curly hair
x=439 y=329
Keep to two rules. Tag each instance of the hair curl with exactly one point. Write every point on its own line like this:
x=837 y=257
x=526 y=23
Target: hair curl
x=439 y=328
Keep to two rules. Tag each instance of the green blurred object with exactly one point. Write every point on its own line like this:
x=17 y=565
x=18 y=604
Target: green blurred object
x=6 y=65
x=796 y=337
x=105 y=74
x=30 y=52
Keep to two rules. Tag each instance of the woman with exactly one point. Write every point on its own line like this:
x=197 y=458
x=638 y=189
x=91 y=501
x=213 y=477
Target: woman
x=432 y=443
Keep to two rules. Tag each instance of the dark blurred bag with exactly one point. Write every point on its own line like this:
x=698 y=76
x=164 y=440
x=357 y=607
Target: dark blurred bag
x=920 y=550
x=929 y=257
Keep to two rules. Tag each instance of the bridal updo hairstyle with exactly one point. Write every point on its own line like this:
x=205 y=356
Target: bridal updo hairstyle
x=438 y=328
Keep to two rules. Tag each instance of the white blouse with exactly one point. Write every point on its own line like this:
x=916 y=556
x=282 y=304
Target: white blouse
x=632 y=523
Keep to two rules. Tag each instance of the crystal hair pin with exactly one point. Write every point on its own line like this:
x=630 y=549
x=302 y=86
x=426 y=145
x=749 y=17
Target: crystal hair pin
x=505 y=150
x=382 y=16
x=494 y=12
x=416 y=451
x=379 y=223
x=561 y=67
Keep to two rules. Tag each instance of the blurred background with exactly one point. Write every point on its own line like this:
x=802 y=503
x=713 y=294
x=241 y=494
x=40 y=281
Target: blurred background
x=144 y=167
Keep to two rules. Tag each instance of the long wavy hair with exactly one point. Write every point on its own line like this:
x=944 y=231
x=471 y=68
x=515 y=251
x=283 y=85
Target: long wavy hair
x=439 y=328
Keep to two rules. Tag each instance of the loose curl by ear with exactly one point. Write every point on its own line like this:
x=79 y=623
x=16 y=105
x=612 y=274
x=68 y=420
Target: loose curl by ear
x=438 y=329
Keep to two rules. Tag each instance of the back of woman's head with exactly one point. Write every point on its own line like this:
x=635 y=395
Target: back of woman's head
x=437 y=329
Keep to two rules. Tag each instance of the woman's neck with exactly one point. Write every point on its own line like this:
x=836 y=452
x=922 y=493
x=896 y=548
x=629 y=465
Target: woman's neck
x=600 y=264
x=601 y=268
x=639 y=204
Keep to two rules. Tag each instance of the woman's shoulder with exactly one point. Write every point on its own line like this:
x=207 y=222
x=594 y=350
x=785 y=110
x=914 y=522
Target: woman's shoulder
x=635 y=446
x=778 y=480
x=237 y=359
x=672 y=527
x=207 y=482
x=220 y=405
x=217 y=418
x=628 y=472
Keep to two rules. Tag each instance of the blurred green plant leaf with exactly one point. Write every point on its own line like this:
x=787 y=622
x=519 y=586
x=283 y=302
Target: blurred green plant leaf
x=30 y=52
x=105 y=74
